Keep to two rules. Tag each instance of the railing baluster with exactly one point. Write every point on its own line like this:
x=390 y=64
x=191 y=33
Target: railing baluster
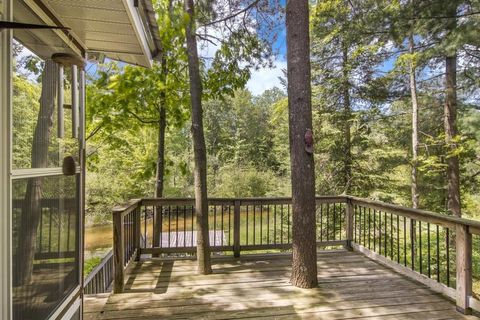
x=169 y=227
x=365 y=226
x=193 y=217
x=355 y=223
x=438 y=253
x=275 y=224
x=369 y=227
x=254 y=223
x=157 y=237
x=145 y=226
x=50 y=230
x=261 y=224
x=288 y=222
x=374 y=230
x=342 y=227
x=268 y=224
x=334 y=223
x=380 y=232
x=328 y=222
x=420 y=246
x=223 y=230
x=391 y=236
x=385 y=253
x=176 y=226
x=321 y=222
x=405 y=241
x=184 y=226
x=229 y=224
x=447 y=242
x=413 y=231
x=429 y=271
x=281 y=225
x=155 y=217
x=214 y=226
x=398 y=239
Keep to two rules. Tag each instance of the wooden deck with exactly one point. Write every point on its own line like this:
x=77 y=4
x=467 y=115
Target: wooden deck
x=351 y=287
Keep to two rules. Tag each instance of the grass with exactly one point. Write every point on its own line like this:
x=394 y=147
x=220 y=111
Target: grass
x=90 y=264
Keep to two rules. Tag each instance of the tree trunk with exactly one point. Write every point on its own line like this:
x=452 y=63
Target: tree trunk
x=159 y=175
x=347 y=125
x=414 y=185
x=199 y=149
x=32 y=209
x=160 y=172
x=304 y=264
x=450 y=122
x=414 y=98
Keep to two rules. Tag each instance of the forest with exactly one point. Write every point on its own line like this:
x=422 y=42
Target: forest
x=380 y=88
x=394 y=94
x=339 y=137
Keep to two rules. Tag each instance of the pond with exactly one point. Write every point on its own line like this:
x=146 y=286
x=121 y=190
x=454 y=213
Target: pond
x=99 y=239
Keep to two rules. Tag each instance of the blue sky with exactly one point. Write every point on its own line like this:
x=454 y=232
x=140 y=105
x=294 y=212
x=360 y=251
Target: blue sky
x=267 y=78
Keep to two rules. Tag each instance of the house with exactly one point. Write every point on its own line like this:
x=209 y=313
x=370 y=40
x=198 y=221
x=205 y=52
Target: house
x=42 y=196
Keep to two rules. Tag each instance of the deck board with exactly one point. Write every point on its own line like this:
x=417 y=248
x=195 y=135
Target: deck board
x=351 y=286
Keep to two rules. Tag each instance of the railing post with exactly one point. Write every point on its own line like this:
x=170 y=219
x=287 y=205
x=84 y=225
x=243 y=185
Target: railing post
x=118 y=252
x=349 y=223
x=137 y=231
x=157 y=229
x=463 y=243
x=236 y=229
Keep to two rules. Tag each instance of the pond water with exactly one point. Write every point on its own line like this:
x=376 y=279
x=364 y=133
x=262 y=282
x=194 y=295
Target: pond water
x=267 y=226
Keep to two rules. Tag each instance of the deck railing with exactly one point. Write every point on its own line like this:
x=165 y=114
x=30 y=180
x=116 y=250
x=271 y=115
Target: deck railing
x=432 y=248
x=100 y=279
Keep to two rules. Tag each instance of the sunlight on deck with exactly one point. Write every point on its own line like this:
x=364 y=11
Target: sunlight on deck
x=350 y=286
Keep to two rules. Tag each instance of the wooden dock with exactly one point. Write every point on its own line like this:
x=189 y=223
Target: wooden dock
x=175 y=239
x=351 y=286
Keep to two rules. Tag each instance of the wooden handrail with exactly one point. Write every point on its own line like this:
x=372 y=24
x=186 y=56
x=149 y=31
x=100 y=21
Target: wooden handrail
x=101 y=277
x=127 y=208
x=464 y=228
x=417 y=214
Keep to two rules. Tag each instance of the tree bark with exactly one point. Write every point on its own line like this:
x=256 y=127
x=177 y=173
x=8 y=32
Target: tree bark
x=414 y=173
x=450 y=123
x=160 y=170
x=414 y=98
x=304 y=264
x=347 y=110
x=199 y=149
x=159 y=176
x=32 y=209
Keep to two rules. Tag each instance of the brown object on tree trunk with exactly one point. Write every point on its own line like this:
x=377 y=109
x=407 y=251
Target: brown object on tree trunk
x=304 y=264
x=199 y=149
x=450 y=122
x=30 y=217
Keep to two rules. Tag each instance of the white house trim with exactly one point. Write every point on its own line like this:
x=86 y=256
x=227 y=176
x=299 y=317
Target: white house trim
x=5 y=161
x=139 y=30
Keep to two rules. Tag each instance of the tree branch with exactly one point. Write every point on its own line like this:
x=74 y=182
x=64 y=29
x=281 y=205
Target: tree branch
x=94 y=132
x=150 y=121
x=233 y=15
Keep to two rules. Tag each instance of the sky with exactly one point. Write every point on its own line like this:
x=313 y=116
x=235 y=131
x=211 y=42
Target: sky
x=264 y=78
x=267 y=78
